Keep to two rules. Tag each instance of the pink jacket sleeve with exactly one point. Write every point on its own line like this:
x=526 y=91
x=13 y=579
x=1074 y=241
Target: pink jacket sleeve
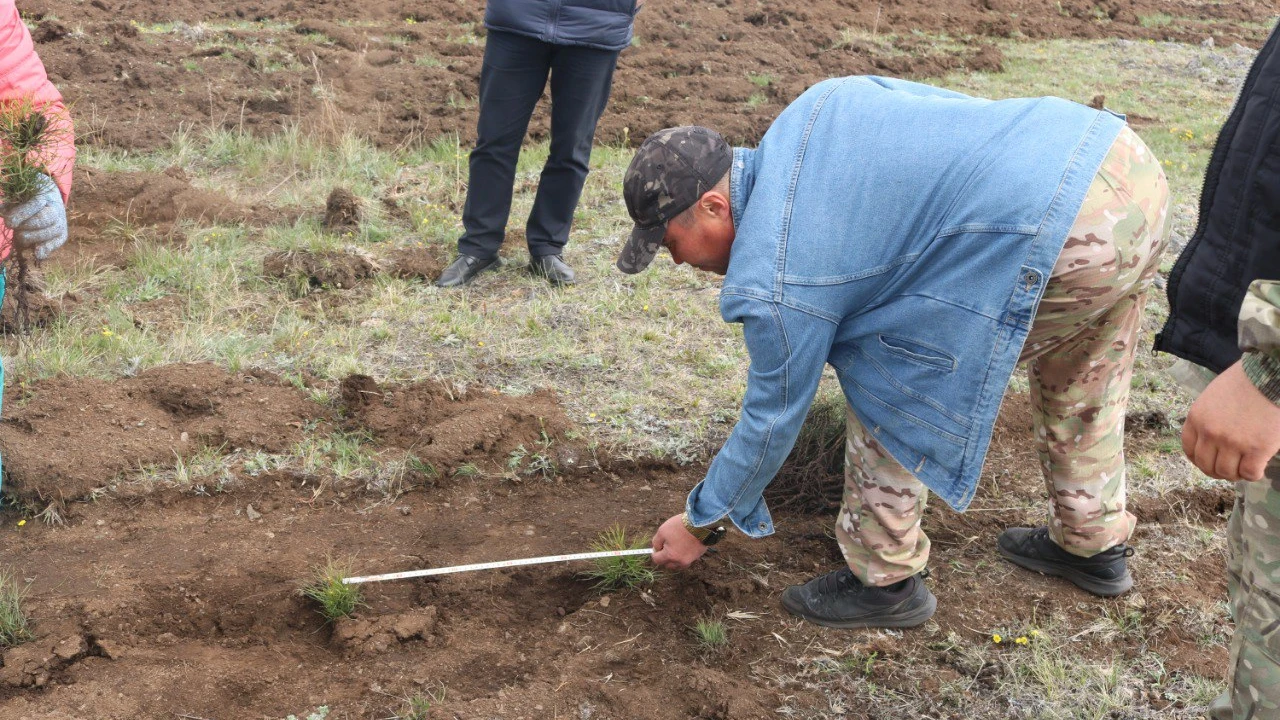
x=23 y=78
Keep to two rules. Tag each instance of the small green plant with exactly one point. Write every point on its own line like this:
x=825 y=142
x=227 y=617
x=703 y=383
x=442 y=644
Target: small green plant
x=616 y=573
x=418 y=707
x=467 y=470
x=336 y=598
x=711 y=634
x=28 y=146
x=13 y=622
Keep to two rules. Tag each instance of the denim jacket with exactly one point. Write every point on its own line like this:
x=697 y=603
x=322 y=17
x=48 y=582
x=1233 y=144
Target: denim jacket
x=902 y=234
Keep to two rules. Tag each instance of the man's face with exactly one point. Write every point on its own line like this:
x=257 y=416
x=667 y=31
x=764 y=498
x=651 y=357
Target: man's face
x=705 y=243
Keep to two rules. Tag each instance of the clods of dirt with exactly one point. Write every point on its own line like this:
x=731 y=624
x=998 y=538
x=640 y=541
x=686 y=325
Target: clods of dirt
x=375 y=634
x=140 y=199
x=342 y=210
x=449 y=428
x=339 y=270
x=64 y=437
x=35 y=664
x=417 y=264
x=42 y=311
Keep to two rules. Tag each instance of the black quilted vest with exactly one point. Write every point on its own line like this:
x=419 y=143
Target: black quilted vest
x=1238 y=238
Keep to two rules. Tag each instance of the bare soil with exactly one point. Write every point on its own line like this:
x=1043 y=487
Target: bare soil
x=401 y=71
x=174 y=601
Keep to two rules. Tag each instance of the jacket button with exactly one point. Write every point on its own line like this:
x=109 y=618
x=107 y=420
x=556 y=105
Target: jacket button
x=763 y=526
x=1030 y=280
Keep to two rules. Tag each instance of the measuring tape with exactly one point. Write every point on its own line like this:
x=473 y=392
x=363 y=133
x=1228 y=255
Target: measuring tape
x=495 y=565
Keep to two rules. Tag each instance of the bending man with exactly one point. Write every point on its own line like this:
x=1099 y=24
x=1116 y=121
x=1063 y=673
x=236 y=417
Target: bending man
x=921 y=242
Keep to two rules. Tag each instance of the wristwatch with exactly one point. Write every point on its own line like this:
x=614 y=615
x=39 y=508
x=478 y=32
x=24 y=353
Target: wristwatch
x=706 y=535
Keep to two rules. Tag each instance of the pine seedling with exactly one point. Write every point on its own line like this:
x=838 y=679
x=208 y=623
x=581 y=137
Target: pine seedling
x=618 y=573
x=336 y=599
x=27 y=143
x=712 y=634
x=14 y=629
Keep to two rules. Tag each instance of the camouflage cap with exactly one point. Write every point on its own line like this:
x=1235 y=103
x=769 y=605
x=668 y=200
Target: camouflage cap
x=670 y=171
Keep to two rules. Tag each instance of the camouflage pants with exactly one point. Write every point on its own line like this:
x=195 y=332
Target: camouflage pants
x=1080 y=354
x=1253 y=578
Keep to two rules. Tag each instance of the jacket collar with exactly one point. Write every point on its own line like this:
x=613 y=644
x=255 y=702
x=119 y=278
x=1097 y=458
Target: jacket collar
x=742 y=178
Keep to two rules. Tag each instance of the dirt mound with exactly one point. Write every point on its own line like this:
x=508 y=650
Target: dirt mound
x=397 y=70
x=141 y=199
x=340 y=270
x=417 y=264
x=1200 y=505
x=341 y=210
x=460 y=432
x=42 y=310
x=62 y=438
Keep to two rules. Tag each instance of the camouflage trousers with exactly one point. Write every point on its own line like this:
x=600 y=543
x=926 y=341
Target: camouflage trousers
x=1080 y=352
x=1253 y=579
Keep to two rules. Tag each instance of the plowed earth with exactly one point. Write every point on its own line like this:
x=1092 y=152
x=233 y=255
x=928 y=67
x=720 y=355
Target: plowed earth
x=401 y=70
x=163 y=599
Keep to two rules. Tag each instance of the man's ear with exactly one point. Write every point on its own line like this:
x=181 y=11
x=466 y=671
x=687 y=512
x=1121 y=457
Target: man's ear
x=714 y=204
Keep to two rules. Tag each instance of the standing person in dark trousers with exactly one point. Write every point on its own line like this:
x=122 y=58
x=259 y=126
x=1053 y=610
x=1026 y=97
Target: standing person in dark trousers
x=577 y=43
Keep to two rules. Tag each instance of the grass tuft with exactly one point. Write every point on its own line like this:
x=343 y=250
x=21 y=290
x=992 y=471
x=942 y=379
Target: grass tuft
x=14 y=629
x=711 y=634
x=336 y=599
x=620 y=573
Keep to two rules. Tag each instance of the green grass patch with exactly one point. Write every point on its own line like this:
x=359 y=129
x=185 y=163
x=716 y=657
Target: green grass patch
x=711 y=634
x=14 y=628
x=620 y=573
x=335 y=599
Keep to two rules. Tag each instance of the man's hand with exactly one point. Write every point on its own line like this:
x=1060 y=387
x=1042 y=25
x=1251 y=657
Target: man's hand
x=673 y=547
x=1232 y=431
x=39 y=224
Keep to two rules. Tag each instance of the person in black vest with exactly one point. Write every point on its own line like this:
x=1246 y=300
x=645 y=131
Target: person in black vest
x=1224 y=324
x=576 y=43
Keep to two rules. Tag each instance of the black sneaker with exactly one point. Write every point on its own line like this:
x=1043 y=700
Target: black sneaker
x=840 y=600
x=1105 y=574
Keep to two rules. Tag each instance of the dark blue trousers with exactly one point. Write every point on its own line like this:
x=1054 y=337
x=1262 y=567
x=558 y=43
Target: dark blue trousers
x=512 y=79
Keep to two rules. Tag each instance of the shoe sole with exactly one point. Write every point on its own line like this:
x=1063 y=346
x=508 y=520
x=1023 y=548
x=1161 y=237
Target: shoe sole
x=1088 y=583
x=883 y=619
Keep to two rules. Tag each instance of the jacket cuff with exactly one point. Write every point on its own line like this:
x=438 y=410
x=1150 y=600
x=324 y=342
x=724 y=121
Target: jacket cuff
x=1263 y=371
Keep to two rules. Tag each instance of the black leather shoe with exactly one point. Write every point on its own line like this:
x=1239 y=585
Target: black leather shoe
x=552 y=268
x=464 y=270
x=1105 y=574
x=840 y=600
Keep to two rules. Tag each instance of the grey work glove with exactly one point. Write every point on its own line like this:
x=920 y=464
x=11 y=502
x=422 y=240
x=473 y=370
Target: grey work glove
x=39 y=224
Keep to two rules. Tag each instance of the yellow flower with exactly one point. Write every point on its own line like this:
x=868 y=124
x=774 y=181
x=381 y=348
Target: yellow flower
x=996 y=638
x=646 y=307
x=21 y=523
x=1035 y=633
x=106 y=332
x=1022 y=640
x=591 y=415
x=481 y=343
